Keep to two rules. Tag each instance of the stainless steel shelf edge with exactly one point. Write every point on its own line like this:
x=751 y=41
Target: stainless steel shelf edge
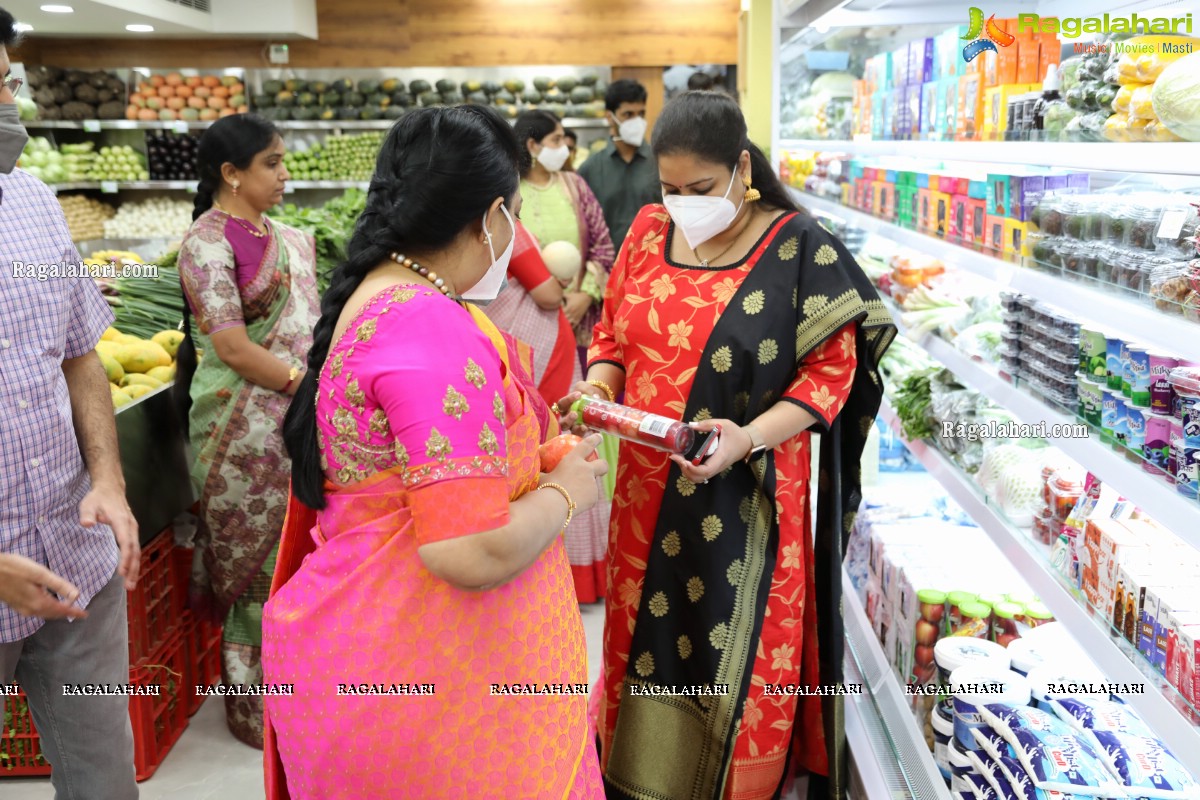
x=915 y=761
x=1115 y=314
x=1163 y=158
x=1167 y=722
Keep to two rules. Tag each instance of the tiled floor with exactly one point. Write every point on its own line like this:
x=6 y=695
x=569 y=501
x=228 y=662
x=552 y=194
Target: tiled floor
x=208 y=763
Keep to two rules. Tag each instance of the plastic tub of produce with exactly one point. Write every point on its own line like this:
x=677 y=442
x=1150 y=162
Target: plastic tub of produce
x=1011 y=302
x=1173 y=284
x=1143 y=221
x=1049 y=215
x=1063 y=350
x=1075 y=212
x=1129 y=272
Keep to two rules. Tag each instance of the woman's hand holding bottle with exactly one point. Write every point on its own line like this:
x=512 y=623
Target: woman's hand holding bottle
x=733 y=446
x=578 y=475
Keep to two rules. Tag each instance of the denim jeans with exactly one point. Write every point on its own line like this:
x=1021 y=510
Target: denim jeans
x=87 y=740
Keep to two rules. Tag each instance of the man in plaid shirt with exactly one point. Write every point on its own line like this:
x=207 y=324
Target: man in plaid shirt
x=62 y=494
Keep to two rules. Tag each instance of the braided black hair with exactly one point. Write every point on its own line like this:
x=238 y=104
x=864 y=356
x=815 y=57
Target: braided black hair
x=236 y=140
x=710 y=126
x=438 y=172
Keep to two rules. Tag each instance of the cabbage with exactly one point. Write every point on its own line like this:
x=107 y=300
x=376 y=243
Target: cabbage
x=1176 y=98
x=833 y=84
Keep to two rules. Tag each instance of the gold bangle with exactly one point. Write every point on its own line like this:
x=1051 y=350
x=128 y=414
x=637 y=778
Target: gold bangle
x=566 y=496
x=604 y=387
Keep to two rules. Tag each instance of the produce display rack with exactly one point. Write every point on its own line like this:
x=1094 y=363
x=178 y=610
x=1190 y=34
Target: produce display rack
x=1160 y=706
x=881 y=721
x=1150 y=492
x=1111 y=311
x=1163 y=158
x=94 y=125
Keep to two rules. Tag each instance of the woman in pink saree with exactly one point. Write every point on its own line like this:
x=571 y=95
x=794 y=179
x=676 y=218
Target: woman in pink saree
x=422 y=588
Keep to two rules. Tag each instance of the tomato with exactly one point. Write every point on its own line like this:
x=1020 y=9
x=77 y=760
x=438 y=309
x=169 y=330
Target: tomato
x=554 y=450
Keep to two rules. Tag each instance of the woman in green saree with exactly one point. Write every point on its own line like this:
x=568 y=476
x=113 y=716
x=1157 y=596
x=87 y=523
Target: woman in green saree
x=251 y=304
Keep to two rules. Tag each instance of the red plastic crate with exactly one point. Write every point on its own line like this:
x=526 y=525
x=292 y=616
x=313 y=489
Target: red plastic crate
x=181 y=577
x=152 y=610
x=203 y=659
x=158 y=722
x=20 y=745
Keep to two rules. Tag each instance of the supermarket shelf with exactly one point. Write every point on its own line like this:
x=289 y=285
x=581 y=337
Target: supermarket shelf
x=1112 y=312
x=364 y=185
x=896 y=728
x=1150 y=492
x=1153 y=706
x=1165 y=158
x=290 y=125
x=190 y=186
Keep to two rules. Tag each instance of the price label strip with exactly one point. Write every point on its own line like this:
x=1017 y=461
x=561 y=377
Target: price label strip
x=91 y=125
x=108 y=187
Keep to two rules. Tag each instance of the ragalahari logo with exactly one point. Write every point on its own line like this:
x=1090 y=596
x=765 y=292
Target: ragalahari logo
x=984 y=37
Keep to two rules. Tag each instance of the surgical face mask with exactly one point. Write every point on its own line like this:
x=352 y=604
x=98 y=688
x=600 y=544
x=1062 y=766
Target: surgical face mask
x=700 y=217
x=13 y=137
x=632 y=131
x=553 y=158
x=492 y=282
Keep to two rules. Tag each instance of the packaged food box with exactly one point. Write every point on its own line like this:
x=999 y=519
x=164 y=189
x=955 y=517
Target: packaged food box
x=969 y=116
x=1029 y=61
x=1130 y=598
x=1093 y=558
x=993 y=235
x=920 y=60
x=1050 y=52
x=976 y=230
x=1118 y=545
x=1016 y=235
x=958 y=219
x=948 y=99
x=949 y=61
x=925 y=218
x=932 y=113
x=1024 y=191
x=1185 y=647
x=1165 y=601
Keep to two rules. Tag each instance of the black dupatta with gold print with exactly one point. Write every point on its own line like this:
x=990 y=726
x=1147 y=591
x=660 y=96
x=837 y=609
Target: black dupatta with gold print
x=715 y=545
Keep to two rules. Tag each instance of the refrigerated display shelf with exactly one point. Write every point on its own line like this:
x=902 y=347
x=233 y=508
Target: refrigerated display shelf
x=912 y=773
x=1149 y=492
x=1160 y=706
x=1113 y=313
x=1162 y=158
x=180 y=126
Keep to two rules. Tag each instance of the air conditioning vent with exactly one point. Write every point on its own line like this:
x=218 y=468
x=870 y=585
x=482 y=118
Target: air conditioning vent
x=202 y=6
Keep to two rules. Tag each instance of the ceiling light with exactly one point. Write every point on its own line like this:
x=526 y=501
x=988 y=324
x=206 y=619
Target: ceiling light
x=23 y=27
x=58 y=9
x=140 y=28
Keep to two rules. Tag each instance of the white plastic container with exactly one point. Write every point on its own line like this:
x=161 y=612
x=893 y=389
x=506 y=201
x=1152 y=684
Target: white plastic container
x=960 y=768
x=1027 y=653
x=980 y=684
x=1047 y=679
x=954 y=652
x=943 y=732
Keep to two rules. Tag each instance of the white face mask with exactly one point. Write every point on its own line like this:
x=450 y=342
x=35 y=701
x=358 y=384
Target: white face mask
x=632 y=131
x=489 y=286
x=700 y=217
x=553 y=158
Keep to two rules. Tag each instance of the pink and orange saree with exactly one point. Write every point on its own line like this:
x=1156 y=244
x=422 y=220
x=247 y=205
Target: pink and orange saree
x=429 y=426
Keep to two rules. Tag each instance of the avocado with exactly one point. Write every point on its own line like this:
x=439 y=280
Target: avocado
x=582 y=94
x=285 y=99
x=491 y=88
x=477 y=98
x=368 y=86
x=264 y=100
x=306 y=99
x=446 y=86
x=371 y=113
x=348 y=113
x=418 y=88
x=567 y=83
x=354 y=99
x=402 y=98
x=589 y=79
x=318 y=87
x=390 y=86
x=295 y=85
x=327 y=113
x=272 y=87
x=515 y=85
x=532 y=96
x=393 y=112
x=543 y=84
x=330 y=99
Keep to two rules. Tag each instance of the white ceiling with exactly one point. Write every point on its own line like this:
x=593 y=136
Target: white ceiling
x=266 y=19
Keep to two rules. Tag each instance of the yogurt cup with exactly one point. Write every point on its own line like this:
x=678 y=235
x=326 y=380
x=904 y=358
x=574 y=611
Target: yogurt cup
x=980 y=684
x=1157 y=447
x=1161 y=392
x=1108 y=414
x=1093 y=354
x=1139 y=376
x=954 y=652
x=943 y=732
x=1026 y=654
x=1127 y=368
x=1136 y=427
x=1120 y=422
x=1112 y=361
x=1091 y=399
x=1056 y=680
x=1176 y=434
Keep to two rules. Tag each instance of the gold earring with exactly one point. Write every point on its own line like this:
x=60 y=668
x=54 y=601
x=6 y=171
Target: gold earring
x=752 y=194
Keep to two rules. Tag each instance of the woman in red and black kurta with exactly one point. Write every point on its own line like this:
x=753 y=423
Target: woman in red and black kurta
x=767 y=328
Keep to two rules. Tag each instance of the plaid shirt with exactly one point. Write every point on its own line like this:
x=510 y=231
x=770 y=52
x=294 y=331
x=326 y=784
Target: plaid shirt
x=42 y=475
